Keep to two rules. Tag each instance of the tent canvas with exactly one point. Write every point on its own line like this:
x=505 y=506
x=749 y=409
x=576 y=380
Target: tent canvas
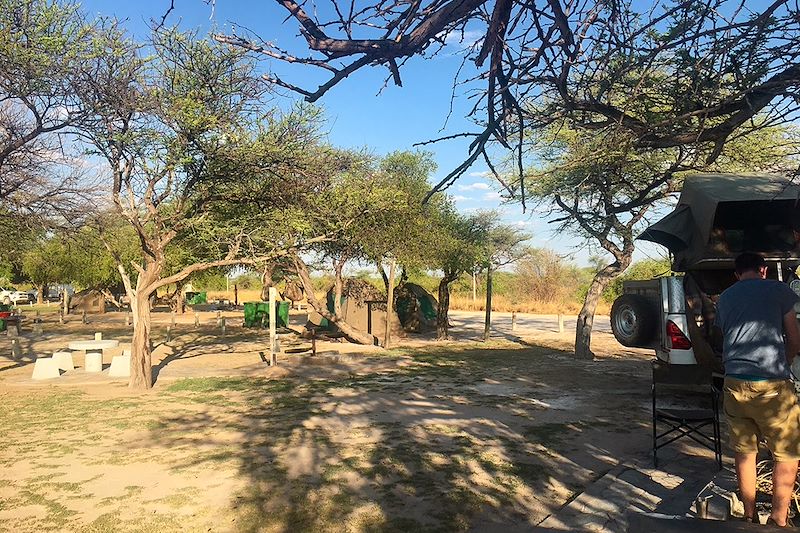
x=718 y=216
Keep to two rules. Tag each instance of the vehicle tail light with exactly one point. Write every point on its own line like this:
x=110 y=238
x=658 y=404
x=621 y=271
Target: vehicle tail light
x=677 y=339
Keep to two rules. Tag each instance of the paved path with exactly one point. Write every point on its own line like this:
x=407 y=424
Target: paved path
x=501 y=322
x=635 y=486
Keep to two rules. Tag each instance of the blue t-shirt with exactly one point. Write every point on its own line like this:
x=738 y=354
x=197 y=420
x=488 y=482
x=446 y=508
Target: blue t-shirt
x=750 y=315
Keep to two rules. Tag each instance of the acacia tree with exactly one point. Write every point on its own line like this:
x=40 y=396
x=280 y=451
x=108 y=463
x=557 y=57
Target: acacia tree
x=358 y=209
x=602 y=188
x=460 y=244
x=183 y=133
x=502 y=247
x=48 y=51
x=594 y=62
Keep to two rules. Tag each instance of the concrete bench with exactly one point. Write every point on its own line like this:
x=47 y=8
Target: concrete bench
x=93 y=362
x=45 y=368
x=64 y=360
x=120 y=365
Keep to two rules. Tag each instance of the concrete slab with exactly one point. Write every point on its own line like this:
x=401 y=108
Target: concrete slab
x=635 y=486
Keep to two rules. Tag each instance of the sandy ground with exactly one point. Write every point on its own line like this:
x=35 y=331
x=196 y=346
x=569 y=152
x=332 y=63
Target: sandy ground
x=454 y=436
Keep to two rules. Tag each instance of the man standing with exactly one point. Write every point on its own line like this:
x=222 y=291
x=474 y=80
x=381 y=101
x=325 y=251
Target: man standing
x=760 y=402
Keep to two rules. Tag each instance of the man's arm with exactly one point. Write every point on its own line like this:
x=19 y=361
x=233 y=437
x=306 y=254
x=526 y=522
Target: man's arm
x=792 y=333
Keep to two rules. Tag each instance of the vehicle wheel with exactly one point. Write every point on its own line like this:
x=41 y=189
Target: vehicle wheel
x=633 y=320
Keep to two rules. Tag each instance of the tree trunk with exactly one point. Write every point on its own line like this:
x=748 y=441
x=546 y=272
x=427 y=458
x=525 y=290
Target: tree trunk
x=384 y=277
x=443 y=309
x=583 y=330
x=141 y=360
x=40 y=291
x=349 y=331
x=487 y=323
x=266 y=281
x=180 y=302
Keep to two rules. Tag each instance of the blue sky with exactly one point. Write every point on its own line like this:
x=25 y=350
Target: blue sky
x=362 y=110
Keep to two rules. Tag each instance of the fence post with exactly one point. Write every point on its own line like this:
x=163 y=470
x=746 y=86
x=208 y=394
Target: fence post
x=273 y=357
x=196 y=319
x=513 y=320
x=560 y=323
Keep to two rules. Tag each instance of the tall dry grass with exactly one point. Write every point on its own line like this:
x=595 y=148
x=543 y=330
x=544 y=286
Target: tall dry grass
x=458 y=302
x=504 y=304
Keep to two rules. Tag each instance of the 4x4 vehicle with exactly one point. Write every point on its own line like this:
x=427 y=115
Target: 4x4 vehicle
x=718 y=216
x=10 y=295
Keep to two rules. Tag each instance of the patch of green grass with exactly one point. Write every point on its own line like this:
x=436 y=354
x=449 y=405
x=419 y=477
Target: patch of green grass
x=231 y=384
x=57 y=514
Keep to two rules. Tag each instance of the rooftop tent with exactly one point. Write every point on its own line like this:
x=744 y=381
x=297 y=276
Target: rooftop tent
x=718 y=216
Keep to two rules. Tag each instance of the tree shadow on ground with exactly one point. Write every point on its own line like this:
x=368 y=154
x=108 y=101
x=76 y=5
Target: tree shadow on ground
x=462 y=439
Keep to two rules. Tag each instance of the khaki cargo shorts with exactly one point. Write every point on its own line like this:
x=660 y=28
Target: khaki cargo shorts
x=767 y=409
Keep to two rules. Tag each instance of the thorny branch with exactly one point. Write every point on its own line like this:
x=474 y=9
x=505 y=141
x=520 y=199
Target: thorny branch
x=676 y=73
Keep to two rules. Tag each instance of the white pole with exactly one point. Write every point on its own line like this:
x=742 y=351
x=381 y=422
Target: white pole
x=273 y=295
x=389 y=305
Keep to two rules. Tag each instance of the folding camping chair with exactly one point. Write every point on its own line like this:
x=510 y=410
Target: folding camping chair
x=694 y=409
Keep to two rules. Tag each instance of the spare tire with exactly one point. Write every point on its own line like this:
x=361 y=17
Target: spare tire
x=633 y=320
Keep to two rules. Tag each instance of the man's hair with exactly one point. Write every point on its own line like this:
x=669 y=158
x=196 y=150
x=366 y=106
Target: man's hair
x=749 y=262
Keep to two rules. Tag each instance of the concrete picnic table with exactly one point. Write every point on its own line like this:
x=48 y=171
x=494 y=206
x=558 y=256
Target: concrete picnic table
x=94 y=352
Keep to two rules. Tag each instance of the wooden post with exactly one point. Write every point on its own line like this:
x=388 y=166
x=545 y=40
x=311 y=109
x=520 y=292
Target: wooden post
x=60 y=316
x=172 y=319
x=128 y=318
x=38 y=318
x=196 y=319
x=474 y=287
x=219 y=318
x=389 y=305
x=169 y=333
x=16 y=353
x=487 y=324
x=560 y=323
x=273 y=357
x=222 y=326
x=513 y=320
x=66 y=302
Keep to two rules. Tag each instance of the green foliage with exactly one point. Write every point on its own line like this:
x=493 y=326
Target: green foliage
x=80 y=258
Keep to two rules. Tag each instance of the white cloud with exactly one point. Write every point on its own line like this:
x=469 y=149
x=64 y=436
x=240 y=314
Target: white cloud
x=492 y=195
x=463 y=40
x=481 y=174
x=479 y=186
x=460 y=198
x=522 y=223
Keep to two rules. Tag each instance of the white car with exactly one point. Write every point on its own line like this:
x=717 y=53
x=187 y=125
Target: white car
x=10 y=295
